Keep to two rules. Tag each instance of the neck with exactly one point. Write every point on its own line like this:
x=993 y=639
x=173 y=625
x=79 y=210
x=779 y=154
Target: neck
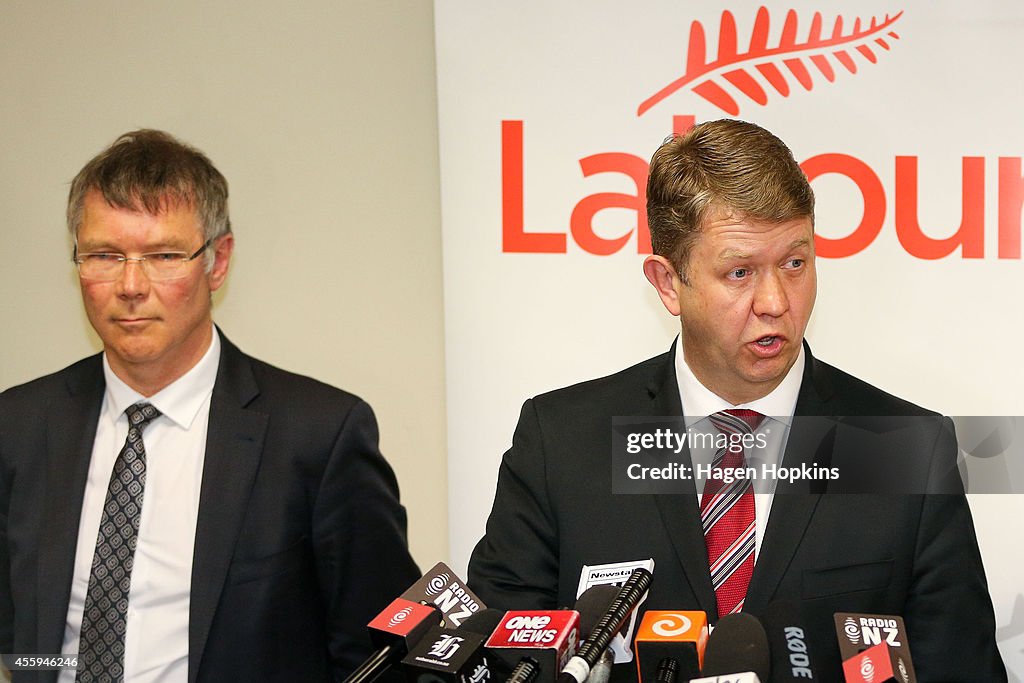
x=149 y=378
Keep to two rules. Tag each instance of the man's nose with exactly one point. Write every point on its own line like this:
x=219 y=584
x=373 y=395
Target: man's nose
x=770 y=296
x=133 y=281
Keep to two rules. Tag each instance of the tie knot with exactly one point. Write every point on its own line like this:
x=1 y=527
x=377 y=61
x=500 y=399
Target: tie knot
x=738 y=420
x=141 y=414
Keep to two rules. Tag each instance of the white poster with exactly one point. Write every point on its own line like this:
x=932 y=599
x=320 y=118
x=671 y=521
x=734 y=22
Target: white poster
x=906 y=117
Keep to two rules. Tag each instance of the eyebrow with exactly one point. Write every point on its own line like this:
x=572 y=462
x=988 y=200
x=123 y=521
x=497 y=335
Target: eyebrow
x=736 y=254
x=103 y=247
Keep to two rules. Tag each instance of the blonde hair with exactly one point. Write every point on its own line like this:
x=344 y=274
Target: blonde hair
x=727 y=165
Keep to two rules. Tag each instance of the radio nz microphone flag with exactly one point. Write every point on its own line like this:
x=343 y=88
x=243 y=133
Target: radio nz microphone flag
x=672 y=642
x=444 y=589
x=439 y=594
x=394 y=631
x=535 y=643
x=874 y=648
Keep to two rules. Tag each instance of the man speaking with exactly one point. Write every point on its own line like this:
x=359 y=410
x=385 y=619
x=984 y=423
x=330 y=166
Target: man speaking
x=173 y=509
x=731 y=217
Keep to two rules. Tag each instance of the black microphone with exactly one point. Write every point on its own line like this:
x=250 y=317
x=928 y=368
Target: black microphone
x=592 y=604
x=787 y=642
x=393 y=632
x=874 y=648
x=629 y=596
x=454 y=655
x=437 y=596
x=738 y=647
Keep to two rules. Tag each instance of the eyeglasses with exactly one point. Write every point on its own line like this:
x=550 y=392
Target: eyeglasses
x=162 y=265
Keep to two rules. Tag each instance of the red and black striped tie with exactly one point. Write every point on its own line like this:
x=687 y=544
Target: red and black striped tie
x=727 y=513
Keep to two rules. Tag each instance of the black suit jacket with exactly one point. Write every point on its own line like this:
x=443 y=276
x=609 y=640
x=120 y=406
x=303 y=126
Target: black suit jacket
x=909 y=555
x=300 y=539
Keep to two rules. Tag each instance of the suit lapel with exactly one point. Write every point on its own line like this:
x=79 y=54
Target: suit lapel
x=810 y=440
x=70 y=432
x=679 y=512
x=234 y=445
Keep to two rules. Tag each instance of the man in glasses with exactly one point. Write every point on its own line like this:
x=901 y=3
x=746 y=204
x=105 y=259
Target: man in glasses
x=173 y=509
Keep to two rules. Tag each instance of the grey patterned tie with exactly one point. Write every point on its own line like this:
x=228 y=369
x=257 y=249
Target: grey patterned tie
x=101 y=645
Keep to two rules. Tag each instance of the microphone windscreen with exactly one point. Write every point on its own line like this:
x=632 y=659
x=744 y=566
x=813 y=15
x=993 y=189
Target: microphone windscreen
x=592 y=605
x=737 y=644
x=483 y=622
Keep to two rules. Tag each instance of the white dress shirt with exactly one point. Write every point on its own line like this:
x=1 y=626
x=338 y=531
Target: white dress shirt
x=699 y=402
x=156 y=639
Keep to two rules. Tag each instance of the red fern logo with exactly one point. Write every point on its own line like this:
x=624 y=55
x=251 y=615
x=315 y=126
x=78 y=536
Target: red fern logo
x=736 y=68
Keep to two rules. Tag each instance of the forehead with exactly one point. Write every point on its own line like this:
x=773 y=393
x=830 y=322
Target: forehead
x=175 y=224
x=731 y=231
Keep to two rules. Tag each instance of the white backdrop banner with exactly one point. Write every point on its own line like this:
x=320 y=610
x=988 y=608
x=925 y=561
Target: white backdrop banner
x=906 y=118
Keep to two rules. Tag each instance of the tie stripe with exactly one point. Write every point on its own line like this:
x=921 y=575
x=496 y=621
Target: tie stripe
x=727 y=514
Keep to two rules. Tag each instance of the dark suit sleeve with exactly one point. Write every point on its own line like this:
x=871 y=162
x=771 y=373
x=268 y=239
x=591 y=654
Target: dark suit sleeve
x=359 y=539
x=949 y=615
x=515 y=565
x=6 y=596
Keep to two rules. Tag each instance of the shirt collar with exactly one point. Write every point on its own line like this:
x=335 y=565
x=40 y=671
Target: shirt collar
x=699 y=401
x=180 y=400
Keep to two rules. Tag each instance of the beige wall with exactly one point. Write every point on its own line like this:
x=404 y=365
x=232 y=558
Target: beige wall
x=322 y=115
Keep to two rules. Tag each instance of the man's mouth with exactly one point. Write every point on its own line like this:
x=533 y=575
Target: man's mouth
x=766 y=341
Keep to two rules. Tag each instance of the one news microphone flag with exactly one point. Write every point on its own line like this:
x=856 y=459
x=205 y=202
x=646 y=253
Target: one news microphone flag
x=874 y=648
x=630 y=595
x=444 y=589
x=669 y=645
x=534 y=643
x=394 y=632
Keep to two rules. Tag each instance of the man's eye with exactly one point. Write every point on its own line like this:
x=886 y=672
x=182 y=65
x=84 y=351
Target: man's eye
x=164 y=257
x=795 y=263
x=738 y=273
x=103 y=258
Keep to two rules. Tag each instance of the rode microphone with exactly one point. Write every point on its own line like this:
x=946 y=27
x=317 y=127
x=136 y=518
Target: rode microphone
x=787 y=643
x=737 y=652
x=453 y=655
x=669 y=645
x=393 y=632
x=534 y=643
x=610 y=623
x=444 y=589
x=874 y=648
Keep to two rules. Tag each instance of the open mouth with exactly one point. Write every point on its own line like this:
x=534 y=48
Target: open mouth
x=766 y=341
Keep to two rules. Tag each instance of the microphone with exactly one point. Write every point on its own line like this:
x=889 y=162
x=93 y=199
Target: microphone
x=629 y=596
x=439 y=596
x=592 y=605
x=874 y=648
x=393 y=632
x=787 y=643
x=535 y=643
x=454 y=655
x=444 y=589
x=670 y=645
x=737 y=651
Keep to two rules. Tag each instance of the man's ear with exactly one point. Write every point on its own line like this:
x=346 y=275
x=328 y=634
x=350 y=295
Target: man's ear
x=222 y=249
x=663 y=276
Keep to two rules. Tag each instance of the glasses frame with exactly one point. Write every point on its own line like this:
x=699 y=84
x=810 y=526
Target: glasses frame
x=122 y=261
